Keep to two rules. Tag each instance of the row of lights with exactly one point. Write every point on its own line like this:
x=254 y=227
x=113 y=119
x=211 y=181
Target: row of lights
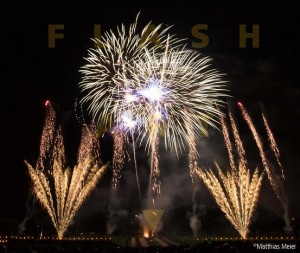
x=3 y=241
x=2 y=238
x=5 y=238
x=89 y=238
x=250 y=238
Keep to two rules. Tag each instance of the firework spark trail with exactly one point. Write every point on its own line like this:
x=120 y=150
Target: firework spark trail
x=238 y=141
x=46 y=144
x=236 y=198
x=275 y=182
x=236 y=192
x=85 y=146
x=193 y=153
x=89 y=144
x=154 y=167
x=95 y=141
x=61 y=190
x=273 y=144
x=47 y=136
x=136 y=169
x=79 y=115
x=261 y=152
x=227 y=143
x=118 y=157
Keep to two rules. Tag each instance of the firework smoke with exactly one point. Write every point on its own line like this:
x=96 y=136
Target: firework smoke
x=30 y=210
x=114 y=217
x=136 y=169
x=194 y=216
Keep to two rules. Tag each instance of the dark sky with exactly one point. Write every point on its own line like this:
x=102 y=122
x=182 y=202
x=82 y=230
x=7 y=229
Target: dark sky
x=32 y=73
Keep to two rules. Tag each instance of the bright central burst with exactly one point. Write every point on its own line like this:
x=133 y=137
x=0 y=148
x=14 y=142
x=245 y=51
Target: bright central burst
x=151 y=89
x=129 y=74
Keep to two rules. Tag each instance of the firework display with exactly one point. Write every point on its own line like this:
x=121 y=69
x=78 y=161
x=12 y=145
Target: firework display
x=236 y=192
x=275 y=181
x=118 y=157
x=46 y=143
x=60 y=189
x=143 y=88
x=273 y=144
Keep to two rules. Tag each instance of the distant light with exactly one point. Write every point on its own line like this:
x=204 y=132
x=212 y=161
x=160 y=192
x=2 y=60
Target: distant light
x=47 y=103
x=146 y=234
x=240 y=104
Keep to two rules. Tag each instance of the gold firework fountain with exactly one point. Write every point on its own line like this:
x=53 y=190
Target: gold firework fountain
x=60 y=189
x=237 y=191
x=276 y=182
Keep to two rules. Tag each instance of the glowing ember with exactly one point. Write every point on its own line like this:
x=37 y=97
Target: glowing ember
x=146 y=233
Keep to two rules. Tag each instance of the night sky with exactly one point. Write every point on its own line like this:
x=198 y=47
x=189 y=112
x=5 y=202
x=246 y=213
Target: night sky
x=33 y=73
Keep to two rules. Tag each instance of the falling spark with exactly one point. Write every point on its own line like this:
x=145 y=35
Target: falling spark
x=86 y=145
x=235 y=193
x=155 y=171
x=227 y=143
x=273 y=144
x=238 y=141
x=47 y=136
x=275 y=182
x=61 y=190
x=79 y=115
x=118 y=157
x=193 y=153
x=136 y=169
x=261 y=150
